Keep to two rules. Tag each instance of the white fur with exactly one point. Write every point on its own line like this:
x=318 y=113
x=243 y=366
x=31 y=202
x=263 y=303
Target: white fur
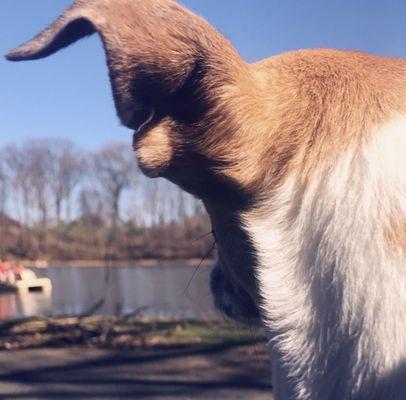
x=333 y=288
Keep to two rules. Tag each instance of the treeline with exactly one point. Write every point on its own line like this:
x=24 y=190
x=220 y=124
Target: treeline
x=58 y=201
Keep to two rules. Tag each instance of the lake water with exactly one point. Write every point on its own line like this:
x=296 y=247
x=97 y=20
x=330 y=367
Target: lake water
x=175 y=291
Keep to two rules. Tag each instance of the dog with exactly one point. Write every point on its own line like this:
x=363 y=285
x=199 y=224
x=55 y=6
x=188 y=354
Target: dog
x=300 y=160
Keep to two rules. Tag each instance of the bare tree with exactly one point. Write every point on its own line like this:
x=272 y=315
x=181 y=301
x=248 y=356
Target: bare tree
x=3 y=192
x=90 y=204
x=44 y=177
x=38 y=154
x=40 y=172
x=3 y=185
x=68 y=166
x=161 y=202
x=115 y=170
x=16 y=167
x=18 y=171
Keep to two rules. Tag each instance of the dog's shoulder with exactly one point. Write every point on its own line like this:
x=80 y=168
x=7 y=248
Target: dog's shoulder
x=318 y=104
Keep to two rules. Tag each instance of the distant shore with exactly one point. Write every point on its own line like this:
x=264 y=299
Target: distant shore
x=191 y=262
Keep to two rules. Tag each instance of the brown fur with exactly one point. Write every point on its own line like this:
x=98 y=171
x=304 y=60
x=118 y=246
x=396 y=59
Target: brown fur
x=253 y=123
x=225 y=130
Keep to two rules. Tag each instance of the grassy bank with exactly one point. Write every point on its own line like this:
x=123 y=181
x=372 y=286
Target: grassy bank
x=121 y=333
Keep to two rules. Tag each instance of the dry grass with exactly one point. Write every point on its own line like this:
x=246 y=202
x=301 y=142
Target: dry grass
x=124 y=333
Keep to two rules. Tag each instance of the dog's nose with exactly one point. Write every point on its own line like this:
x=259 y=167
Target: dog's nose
x=230 y=299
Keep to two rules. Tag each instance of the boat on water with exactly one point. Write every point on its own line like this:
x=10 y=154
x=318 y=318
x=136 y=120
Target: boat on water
x=17 y=278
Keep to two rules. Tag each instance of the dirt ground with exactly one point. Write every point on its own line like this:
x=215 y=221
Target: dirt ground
x=219 y=372
x=109 y=359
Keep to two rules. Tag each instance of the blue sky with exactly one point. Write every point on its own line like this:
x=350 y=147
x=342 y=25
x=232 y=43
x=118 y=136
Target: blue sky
x=68 y=95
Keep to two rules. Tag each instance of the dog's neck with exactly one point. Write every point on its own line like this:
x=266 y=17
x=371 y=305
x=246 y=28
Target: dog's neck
x=333 y=292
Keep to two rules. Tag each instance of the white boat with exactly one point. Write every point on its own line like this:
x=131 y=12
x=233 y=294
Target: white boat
x=30 y=282
x=21 y=279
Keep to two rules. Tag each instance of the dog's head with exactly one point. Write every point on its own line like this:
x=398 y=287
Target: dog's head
x=193 y=105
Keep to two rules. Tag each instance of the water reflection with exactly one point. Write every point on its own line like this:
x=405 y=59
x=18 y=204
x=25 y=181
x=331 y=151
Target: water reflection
x=154 y=291
x=25 y=304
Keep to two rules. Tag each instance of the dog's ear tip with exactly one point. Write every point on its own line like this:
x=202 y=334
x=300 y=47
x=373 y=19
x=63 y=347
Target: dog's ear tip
x=19 y=54
x=31 y=50
x=12 y=55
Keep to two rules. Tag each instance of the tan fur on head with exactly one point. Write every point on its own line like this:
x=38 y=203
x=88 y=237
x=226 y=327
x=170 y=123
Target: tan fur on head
x=300 y=161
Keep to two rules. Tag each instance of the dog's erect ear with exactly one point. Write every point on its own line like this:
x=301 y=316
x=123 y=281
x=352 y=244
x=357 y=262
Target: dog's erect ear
x=157 y=51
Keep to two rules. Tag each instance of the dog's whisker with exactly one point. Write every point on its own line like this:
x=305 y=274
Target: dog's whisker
x=203 y=236
x=196 y=270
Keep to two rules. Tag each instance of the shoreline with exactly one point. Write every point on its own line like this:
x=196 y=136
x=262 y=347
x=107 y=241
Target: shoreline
x=127 y=332
x=144 y=263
